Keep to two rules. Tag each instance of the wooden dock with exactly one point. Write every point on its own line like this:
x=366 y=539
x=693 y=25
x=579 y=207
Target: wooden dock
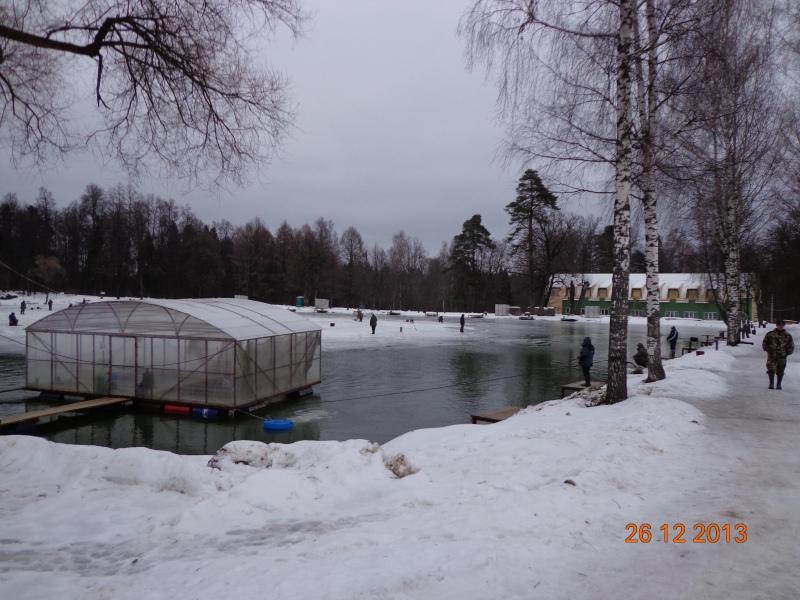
x=496 y=415
x=35 y=415
x=577 y=386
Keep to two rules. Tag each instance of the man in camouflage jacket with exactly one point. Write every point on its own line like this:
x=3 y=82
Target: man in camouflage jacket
x=778 y=344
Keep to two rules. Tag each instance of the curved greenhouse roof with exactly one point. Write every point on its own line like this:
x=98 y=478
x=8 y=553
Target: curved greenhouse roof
x=211 y=318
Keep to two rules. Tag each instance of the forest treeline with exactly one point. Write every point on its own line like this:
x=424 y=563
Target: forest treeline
x=124 y=243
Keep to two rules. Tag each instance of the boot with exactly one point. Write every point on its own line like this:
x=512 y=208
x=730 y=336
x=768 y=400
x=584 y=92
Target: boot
x=771 y=381
x=780 y=379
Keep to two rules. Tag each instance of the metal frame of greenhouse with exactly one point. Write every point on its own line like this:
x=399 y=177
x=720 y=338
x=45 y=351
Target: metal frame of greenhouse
x=217 y=352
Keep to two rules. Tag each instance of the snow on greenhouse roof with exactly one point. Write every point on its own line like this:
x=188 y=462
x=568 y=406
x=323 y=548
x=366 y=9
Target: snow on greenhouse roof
x=229 y=318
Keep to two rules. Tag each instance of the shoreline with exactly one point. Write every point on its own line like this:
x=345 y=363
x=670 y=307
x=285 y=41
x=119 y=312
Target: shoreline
x=460 y=511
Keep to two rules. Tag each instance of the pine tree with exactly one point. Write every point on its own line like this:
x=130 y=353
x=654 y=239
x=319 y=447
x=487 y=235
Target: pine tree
x=468 y=248
x=530 y=209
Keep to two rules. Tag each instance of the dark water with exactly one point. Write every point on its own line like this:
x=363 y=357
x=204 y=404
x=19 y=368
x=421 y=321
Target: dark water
x=509 y=363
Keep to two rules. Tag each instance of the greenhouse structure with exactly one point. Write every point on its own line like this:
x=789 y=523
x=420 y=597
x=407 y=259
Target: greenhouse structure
x=216 y=352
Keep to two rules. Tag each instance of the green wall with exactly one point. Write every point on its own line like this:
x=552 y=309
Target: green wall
x=699 y=308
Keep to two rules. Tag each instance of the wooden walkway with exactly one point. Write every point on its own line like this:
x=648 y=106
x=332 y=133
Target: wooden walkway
x=577 y=386
x=496 y=415
x=35 y=415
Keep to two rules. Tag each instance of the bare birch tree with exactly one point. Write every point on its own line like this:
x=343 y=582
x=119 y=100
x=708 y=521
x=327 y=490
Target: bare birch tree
x=558 y=64
x=178 y=82
x=726 y=155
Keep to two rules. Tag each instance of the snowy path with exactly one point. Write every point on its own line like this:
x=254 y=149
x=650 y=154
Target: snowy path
x=747 y=470
x=487 y=514
x=755 y=432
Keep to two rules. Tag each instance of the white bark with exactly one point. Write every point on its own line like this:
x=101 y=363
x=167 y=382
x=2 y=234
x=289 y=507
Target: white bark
x=732 y=268
x=618 y=328
x=647 y=117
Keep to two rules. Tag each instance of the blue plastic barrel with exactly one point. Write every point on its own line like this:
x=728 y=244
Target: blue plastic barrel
x=277 y=424
x=205 y=413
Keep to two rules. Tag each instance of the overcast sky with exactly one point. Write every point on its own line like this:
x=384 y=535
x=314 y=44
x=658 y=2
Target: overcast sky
x=392 y=132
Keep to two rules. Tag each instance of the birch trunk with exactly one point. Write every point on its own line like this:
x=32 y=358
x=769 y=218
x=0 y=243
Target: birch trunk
x=617 y=389
x=732 y=269
x=647 y=118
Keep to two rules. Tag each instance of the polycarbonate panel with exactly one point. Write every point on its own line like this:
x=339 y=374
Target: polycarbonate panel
x=65 y=347
x=283 y=358
x=38 y=374
x=165 y=353
x=123 y=381
x=232 y=318
x=123 y=351
x=65 y=376
x=101 y=378
x=39 y=346
x=265 y=377
x=314 y=373
x=245 y=393
x=165 y=384
x=193 y=387
x=193 y=355
x=220 y=389
x=245 y=371
x=314 y=344
x=86 y=377
x=86 y=349
x=220 y=357
x=101 y=350
x=298 y=360
x=126 y=317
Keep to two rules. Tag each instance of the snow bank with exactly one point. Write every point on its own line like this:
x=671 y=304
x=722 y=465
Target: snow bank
x=534 y=506
x=462 y=511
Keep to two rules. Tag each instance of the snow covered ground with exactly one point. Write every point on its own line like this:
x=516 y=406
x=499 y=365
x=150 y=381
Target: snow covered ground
x=533 y=507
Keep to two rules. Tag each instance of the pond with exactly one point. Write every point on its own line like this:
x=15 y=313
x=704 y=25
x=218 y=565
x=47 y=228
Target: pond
x=375 y=393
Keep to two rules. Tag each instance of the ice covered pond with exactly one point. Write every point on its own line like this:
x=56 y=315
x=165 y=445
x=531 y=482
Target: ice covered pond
x=496 y=363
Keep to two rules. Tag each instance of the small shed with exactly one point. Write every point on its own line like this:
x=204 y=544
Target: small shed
x=220 y=352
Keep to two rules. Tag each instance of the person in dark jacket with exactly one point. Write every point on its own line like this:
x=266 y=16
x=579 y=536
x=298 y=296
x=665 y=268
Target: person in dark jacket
x=672 y=338
x=373 y=322
x=640 y=358
x=778 y=344
x=22 y=307
x=50 y=304
x=12 y=320
x=586 y=360
x=461 y=320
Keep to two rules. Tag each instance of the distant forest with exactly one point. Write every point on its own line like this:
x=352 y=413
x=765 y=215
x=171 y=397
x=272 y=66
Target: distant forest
x=123 y=243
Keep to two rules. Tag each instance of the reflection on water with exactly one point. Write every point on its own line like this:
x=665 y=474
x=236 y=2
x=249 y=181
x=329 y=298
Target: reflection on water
x=510 y=363
x=470 y=369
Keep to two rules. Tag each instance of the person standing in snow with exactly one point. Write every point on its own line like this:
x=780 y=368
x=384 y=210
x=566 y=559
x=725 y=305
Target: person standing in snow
x=22 y=307
x=778 y=344
x=461 y=320
x=373 y=322
x=586 y=360
x=50 y=304
x=672 y=338
x=640 y=358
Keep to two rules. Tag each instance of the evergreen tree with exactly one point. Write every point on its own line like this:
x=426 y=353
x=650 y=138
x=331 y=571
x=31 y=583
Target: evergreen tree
x=528 y=213
x=468 y=249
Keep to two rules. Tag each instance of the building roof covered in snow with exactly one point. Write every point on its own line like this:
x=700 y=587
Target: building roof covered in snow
x=637 y=280
x=211 y=318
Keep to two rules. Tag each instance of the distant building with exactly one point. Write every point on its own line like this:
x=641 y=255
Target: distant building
x=682 y=295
